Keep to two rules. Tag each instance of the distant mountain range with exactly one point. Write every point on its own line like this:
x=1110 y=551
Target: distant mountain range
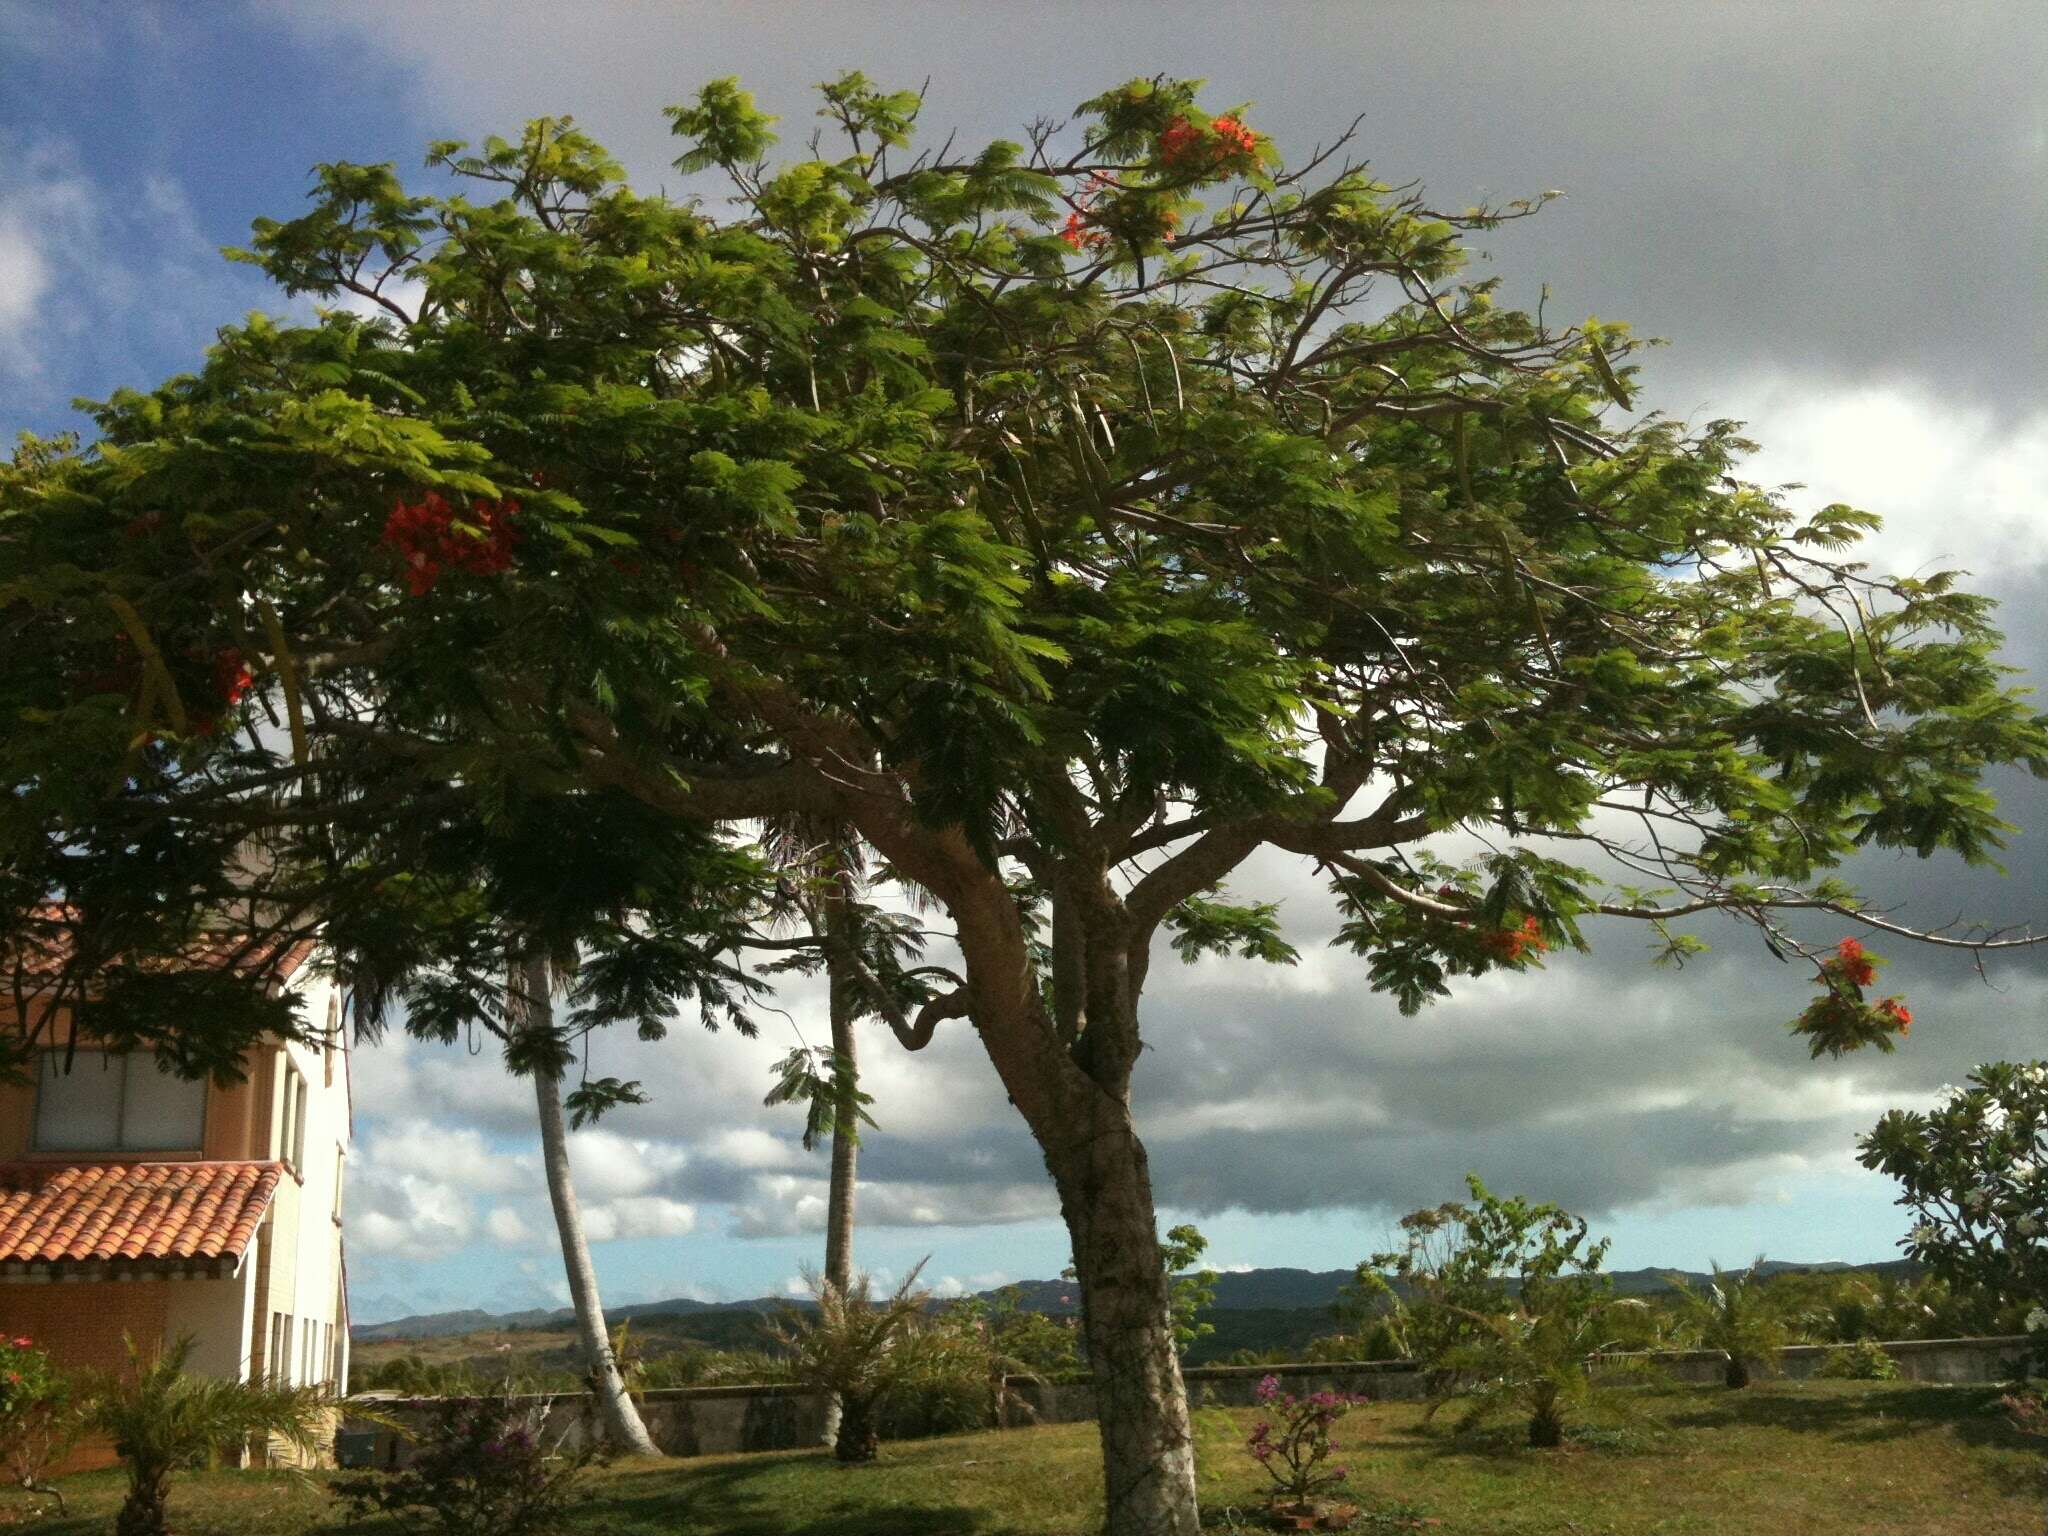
x=1251 y=1290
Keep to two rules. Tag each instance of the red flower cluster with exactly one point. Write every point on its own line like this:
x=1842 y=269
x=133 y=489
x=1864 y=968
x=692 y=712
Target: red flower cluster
x=1081 y=234
x=424 y=534
x=1842 y=1018
x=1184 y=147
x=1854 y=965
x=231 y=676
x=1512 y=944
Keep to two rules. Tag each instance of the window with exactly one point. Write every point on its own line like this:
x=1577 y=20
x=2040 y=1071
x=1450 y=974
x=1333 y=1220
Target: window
x=110 y=1103
x=332 y=1047
x=291 y=1141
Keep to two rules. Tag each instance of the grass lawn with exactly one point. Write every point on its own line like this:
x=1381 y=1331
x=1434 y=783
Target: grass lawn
x=1778 y=1459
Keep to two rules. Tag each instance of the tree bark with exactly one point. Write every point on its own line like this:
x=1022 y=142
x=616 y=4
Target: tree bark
x=839 y=1198
x=620 y=1419
x=840 y=1190
x=1148 y=1461
x=1546 y=1422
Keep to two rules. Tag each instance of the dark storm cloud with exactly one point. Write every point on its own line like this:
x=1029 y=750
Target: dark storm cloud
x=1834 y=212
x=1841 y=190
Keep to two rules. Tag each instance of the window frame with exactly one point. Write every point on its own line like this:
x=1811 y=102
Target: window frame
x=119 y=1146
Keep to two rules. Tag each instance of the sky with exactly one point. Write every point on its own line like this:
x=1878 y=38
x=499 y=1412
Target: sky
x=1832 y=212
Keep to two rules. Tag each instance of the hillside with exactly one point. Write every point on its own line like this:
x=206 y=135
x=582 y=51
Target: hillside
x=1258 y=1309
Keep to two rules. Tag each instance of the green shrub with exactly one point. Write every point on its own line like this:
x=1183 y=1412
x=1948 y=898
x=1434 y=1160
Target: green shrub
x=1507 y=1305
x=481 y=1469
x=1734 y=1315
x=39 y=1422
x=162 y=1421
x=1865 y=1360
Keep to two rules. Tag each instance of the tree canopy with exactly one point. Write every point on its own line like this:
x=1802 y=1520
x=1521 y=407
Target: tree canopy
x=1069 y=518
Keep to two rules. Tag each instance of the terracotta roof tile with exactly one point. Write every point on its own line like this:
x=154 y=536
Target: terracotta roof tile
x=45 y=947
x=102 y=1211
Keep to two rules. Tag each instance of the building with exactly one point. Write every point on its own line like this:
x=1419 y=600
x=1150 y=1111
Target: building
x=138 y=1204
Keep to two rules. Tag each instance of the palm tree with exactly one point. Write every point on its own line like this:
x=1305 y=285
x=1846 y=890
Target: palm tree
x=162 y=1421
x=1734 y=1315
x=1543 y=1363
x=532 y=1021
x=856 y=1350
x=825 y=875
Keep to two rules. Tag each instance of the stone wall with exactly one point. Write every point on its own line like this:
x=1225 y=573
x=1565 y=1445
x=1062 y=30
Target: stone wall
x=702 y=1421
x=1950 y=1361
x=683 y=1421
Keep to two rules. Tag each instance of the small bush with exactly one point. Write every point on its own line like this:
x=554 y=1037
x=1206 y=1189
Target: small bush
x=1865 y=1360
x=162 y=1421
x=1377 y=1340
x=1294 y=1446
x=38 y=1420
x=480 y=1470
x=859 y=1348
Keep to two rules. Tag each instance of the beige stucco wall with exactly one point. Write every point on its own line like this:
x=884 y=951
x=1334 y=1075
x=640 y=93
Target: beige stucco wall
x=293 y=1266
x=212 y=1311
x=302 y=1234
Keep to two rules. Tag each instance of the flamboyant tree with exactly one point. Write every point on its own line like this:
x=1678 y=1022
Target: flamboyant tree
x=1069 y=519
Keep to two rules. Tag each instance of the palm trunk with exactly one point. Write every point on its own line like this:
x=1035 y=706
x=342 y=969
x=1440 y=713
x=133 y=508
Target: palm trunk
x=839 y=1195
x=144 y=1512
x=1737 y=1374
x=839 y=1198
x=623 y=1429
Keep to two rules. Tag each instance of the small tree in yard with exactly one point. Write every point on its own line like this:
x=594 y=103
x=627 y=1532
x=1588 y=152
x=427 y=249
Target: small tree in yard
x=162 y=1422
x=39 y=1419
x=1507 y=1304
x=1190 y=1290
x=1973 y=1171
x=1069 y=520
x=1734 y=1314
x=856 y=1349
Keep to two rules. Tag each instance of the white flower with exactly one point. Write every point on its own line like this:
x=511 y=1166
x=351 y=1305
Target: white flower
x=1924 y=1234
x=1977 y=1198
x=2035 y=1074
x=2037 y=1320
x=2023 y=1168
x=2027 y=1225
x=1995 y=1117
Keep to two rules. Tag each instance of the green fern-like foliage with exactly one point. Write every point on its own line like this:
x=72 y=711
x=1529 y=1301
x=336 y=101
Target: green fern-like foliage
x=858 y=1348
x=1734 y=1314
x=162 y=1421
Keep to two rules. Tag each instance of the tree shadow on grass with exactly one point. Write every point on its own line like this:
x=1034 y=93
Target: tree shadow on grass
x=726 y=1500
x=1970 y=1412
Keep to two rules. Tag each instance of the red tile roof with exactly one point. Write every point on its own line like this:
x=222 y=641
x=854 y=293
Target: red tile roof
x=102 y=1211
x=46 y=947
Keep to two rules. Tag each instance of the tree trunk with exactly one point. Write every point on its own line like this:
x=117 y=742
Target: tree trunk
x=144 y=1511
x=616 y=1412
x=1737 y=1374
x=839 y=1198
x=1546 y=1424
x=1148 y=1459
x=858 y=1435
x=839 y=1195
